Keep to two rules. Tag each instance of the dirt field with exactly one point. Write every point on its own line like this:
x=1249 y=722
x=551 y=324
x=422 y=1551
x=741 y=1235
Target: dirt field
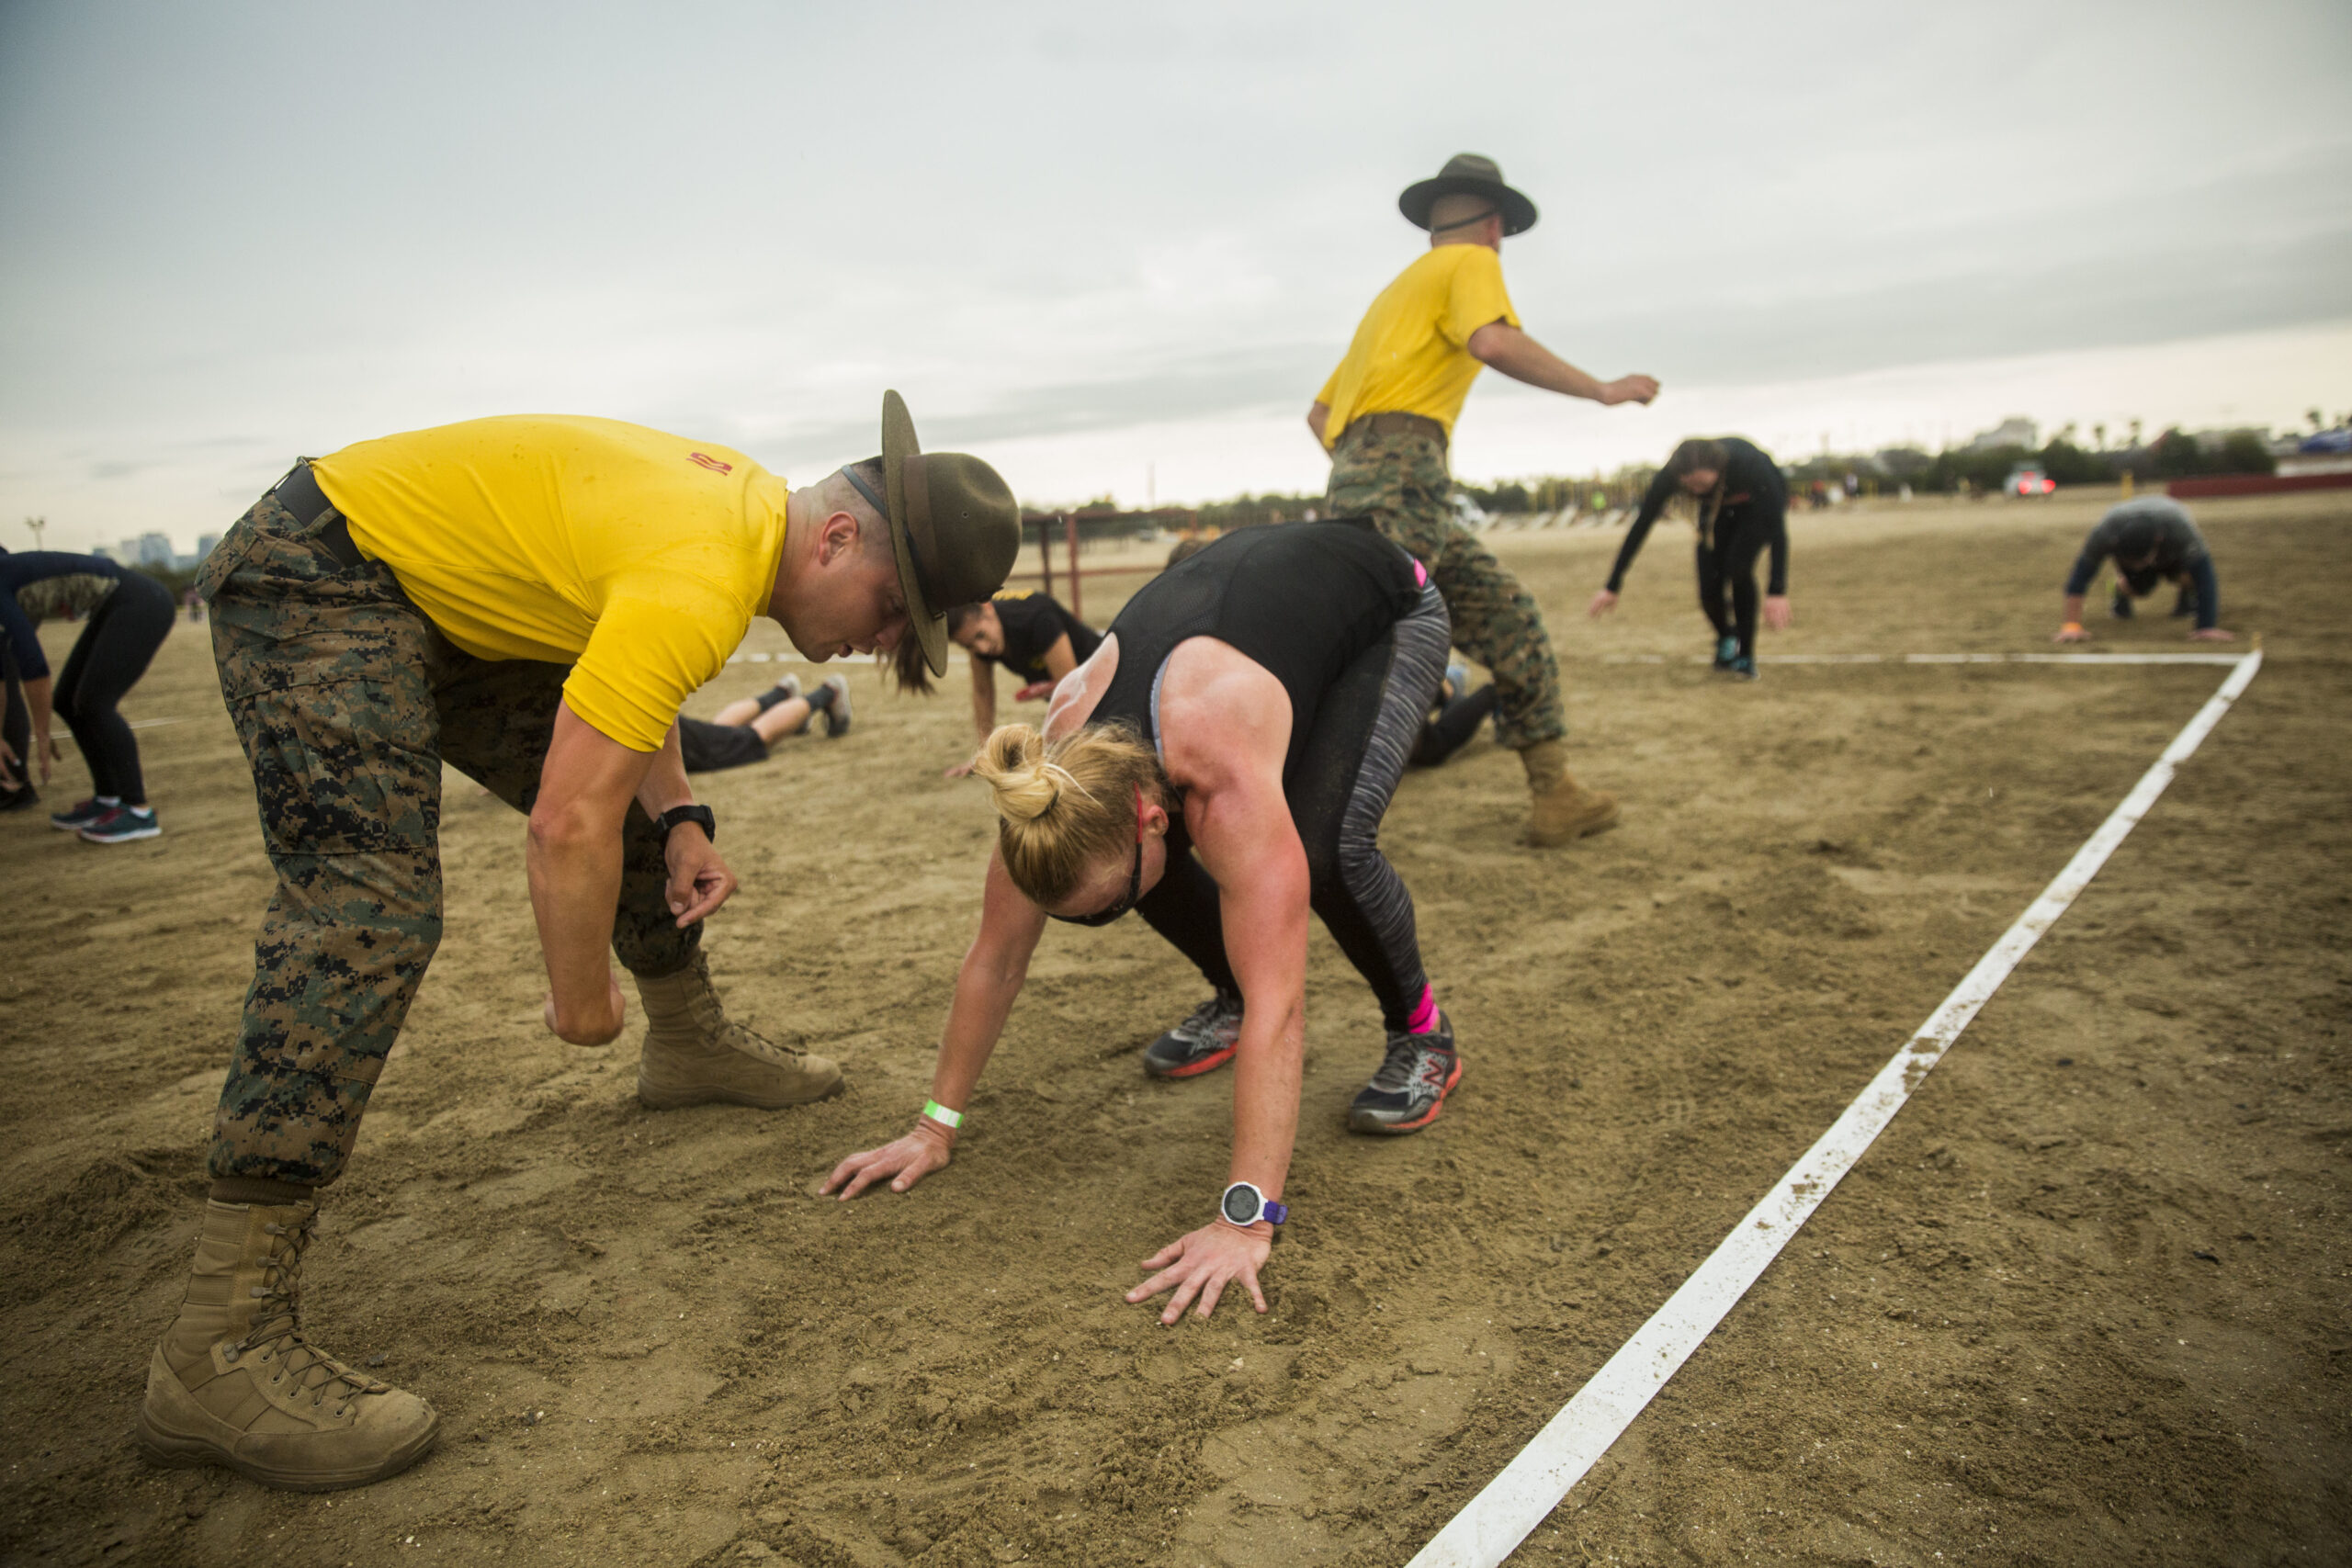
x=2086 y=1301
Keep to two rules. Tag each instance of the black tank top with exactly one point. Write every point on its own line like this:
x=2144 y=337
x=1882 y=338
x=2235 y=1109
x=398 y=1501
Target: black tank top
x=1300 y=599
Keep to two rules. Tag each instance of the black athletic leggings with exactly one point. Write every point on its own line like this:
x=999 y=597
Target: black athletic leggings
x=16 y=727
x=1365 y=730
x=109 y=658
x=1727 y=558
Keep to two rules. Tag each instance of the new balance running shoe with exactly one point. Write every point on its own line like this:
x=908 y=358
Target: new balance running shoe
x=1409 y=1090
x=1202 y=1043
x=122 y=825
x=84 y=813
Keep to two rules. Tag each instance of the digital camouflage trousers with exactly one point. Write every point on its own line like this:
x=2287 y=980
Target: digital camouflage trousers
x=347 y=701
x=1402 y=483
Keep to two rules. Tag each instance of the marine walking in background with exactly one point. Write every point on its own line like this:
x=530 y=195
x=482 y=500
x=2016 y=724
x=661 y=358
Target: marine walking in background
x=1386 y=416
x=527 y=600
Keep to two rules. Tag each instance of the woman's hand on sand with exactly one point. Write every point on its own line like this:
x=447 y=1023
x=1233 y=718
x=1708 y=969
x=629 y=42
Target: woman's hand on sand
x=1603 y=603
x=2211 y=634
x=904 y=1161
x=2070 y=632
x=962 y=770
x=1777 y=613
x=1204 y=1264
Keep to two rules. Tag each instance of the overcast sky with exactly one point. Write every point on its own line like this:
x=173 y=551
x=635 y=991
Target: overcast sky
x=1094 y=242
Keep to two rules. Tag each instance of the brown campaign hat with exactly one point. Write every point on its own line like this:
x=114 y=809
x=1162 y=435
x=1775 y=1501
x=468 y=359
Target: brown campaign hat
x=953 y=523
x=1467 y=174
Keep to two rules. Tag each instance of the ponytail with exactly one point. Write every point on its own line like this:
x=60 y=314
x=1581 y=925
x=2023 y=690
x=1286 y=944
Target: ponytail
x=1064 y=805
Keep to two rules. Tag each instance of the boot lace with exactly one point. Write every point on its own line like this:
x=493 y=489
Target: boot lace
x=276 y=1331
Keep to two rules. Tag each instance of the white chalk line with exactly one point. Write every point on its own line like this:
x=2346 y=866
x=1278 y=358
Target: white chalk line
x=2216 y=658
x=1533 y=1485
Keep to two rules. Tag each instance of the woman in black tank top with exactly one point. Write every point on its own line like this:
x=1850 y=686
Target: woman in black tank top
x=1221 y=765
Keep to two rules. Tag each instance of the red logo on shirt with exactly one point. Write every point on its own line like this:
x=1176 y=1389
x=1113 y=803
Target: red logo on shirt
x=713 y=464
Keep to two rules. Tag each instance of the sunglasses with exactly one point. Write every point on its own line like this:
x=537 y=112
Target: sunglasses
x=1135 y=882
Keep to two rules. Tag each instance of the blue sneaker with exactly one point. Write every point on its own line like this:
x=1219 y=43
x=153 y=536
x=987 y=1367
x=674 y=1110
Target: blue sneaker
x=83 y=814
x=123 y=823
x=1740 y=669
x=1726 y=650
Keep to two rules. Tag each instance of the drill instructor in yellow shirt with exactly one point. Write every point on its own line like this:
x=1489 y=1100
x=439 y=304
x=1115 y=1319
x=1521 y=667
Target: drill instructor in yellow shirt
x=1386 y=416
x=527 y=600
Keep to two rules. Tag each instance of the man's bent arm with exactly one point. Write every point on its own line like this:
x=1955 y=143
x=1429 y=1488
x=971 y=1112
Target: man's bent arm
x=1521 y=358
x=574 y=858
x=665 y=782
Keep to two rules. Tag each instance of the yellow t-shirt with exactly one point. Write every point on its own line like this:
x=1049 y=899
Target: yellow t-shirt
x=1410 y=353
x=636 y=558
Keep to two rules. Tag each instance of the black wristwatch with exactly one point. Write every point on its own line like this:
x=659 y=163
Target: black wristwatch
x=699 y=815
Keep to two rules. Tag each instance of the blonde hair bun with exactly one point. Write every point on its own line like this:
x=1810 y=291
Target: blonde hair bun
x=1060 y=804
x=1024 y=784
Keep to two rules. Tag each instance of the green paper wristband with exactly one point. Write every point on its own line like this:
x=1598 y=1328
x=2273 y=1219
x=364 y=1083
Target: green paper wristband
x=950 y=1120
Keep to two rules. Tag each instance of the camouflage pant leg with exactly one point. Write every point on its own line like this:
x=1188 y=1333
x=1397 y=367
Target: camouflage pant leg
x=1402 y=483
x=323 y=671
x=497 y=721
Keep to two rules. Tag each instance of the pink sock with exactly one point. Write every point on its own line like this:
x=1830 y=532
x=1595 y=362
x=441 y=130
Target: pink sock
x=1425 y=1015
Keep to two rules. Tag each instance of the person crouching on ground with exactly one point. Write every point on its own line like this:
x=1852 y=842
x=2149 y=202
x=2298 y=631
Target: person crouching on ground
x=2154 y=541
x=1029 y=634
x=529 y=600
x=1220 y=765
x=1743 y=508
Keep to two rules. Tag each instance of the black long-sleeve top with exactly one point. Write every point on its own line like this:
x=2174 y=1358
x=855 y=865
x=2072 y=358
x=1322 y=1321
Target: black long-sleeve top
x=37 y=584
x=1752 y=490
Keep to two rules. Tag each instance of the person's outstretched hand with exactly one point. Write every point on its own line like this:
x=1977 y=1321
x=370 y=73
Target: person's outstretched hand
x=903 y=1162
x=1777 y=613
x=1203 y=1264
x=1631 y=389
x=962 y=770
x=2071 y=633
x=1603 y=603
x=2211 y=634
x=1034 y=692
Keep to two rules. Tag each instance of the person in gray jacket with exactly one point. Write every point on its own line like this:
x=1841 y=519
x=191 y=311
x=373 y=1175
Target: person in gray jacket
x=2153 y=541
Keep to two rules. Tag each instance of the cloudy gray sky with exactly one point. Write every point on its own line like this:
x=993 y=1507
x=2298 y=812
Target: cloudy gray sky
x=1085 y=240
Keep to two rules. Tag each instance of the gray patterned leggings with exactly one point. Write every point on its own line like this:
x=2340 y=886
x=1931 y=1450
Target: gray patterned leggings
x=1364 y=730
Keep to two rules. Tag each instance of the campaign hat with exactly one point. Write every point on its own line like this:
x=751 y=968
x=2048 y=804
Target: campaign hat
x=954 y=526
x=1468 y=174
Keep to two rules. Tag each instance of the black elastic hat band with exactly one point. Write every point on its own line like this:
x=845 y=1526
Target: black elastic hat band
x=1465 y=223
x=882 y=509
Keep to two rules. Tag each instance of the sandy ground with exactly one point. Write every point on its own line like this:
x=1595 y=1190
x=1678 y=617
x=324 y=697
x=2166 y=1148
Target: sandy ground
x=2086 y=1302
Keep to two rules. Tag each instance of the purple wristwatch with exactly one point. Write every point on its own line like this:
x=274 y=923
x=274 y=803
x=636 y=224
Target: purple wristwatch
x=1244 y=1205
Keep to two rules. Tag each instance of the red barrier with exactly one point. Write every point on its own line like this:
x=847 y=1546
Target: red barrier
x=2254 y=484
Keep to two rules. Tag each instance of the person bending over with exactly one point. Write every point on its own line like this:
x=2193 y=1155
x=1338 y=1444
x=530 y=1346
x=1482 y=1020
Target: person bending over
x=1027 y=632
x=1743 y=507
x=2154 y=540
x=1220 y=765
x=745 y=729
x=530 y=600
x=129 y=615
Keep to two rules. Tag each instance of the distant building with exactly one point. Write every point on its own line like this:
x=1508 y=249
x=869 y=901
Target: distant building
x=206 y=543
x=155 y=549
x=2211 y=441
x=104 y=552
x=2015 y=431
x=126 y=552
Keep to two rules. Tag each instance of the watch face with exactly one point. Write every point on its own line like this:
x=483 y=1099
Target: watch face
x=1242 y=1202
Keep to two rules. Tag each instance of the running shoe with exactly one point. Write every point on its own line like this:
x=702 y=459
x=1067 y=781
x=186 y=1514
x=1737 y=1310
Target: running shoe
x=122 y=825
x=783 y=691
x=23 y=798
x=2121 y=607
x=1409 y=1090
x=1202 y=1043
x=84 y=813
x=1740 y=669
x=1726 y=650
x=1457 y=682
x=837 y=707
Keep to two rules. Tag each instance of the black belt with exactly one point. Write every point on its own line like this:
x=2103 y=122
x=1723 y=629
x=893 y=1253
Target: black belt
x=299 y=492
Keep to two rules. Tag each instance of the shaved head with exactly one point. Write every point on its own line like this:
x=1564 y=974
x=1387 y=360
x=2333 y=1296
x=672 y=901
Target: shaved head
x=1460 y=210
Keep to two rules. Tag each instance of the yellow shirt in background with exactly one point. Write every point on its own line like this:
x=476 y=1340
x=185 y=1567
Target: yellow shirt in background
x=636 y=558
x=1410 y=353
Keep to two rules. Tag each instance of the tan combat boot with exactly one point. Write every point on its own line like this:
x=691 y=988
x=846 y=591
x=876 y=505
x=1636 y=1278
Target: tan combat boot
x=1563 y=810
x=696 y=1055
x=235 y=1383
